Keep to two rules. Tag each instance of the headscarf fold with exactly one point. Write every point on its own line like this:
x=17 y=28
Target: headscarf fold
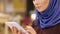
x=50 y=16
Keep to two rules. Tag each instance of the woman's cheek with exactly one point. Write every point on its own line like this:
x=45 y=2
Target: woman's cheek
x=34 y=4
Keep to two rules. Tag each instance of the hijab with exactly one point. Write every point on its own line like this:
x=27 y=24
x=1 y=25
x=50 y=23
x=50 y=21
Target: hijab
x=50 y=16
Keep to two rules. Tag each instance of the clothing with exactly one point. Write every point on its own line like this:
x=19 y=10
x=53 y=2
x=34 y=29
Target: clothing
x=49 y=17
x=50 y=30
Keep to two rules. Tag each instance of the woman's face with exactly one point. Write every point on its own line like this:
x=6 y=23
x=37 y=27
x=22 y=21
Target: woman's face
x=41 y=5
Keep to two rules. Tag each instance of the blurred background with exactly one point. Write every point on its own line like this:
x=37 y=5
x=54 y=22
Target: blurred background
x=20 y=11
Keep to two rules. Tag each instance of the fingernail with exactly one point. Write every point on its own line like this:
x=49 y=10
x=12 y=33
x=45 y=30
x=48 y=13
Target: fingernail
x=13 y=27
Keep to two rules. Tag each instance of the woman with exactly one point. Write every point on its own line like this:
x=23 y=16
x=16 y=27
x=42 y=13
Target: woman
x=48 y=17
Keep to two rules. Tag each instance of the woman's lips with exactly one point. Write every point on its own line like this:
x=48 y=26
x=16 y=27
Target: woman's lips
x=39 y=7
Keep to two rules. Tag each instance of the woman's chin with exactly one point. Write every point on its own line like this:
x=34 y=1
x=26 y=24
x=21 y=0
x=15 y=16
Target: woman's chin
x=40 y=10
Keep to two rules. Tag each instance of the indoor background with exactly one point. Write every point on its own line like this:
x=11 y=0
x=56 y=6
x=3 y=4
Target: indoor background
x=20 y=11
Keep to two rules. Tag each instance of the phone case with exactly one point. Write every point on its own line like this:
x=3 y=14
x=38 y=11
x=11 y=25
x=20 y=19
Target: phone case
x=19 y=27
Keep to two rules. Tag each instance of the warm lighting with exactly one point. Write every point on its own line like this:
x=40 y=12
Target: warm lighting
x=33 y=16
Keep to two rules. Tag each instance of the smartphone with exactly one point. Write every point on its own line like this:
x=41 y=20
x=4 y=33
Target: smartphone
x=19 y=27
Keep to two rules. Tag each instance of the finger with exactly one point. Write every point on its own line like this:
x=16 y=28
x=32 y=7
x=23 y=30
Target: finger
x=15 y=31
x=29 y=31
x=29 y=28
x=12 y=29
x=19 y=32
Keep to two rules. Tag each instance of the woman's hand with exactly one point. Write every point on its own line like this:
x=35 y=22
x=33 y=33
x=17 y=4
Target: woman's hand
x=16 y=31
x=30 y=30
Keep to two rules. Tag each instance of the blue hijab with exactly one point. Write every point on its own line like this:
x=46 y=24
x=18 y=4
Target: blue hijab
x=50 y=16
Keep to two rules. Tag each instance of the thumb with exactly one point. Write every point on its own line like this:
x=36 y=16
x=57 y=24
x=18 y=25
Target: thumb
x=19 y=32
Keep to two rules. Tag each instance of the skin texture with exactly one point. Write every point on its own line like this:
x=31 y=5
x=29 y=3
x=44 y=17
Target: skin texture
x=41 y=5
